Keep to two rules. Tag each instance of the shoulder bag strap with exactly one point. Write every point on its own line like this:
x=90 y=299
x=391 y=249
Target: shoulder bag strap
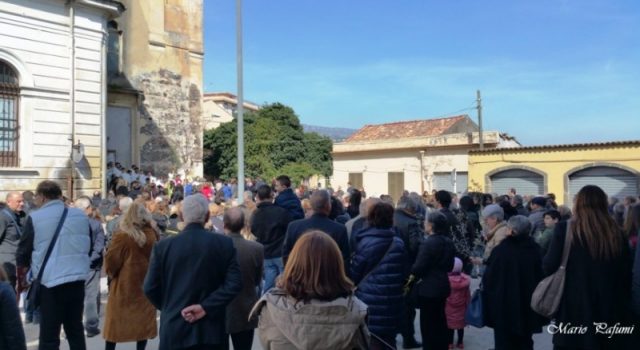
x=393 y=238
x=567 y=246
x=53 y=243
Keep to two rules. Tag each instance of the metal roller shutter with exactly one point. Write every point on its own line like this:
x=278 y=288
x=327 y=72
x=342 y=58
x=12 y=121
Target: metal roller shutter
x=525 y=182
x=613 y=181
x=443 y=181
x=462 y=182
x=395 y=185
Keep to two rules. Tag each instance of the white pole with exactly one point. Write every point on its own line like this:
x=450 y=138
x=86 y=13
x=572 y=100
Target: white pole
x=240 y=115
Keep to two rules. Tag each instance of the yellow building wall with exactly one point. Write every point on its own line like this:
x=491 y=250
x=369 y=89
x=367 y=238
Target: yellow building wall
x=162 y=56
x=557 y=163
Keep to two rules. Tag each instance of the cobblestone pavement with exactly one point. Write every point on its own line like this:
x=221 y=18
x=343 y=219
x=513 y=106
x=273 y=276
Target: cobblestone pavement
x=475 y=339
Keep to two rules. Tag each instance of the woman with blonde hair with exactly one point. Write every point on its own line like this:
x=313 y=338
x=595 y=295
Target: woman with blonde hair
x=130 y=316
x=313 y=305
x=306 y=207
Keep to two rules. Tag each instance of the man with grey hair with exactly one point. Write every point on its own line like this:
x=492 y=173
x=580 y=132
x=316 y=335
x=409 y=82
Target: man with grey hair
x=199 y=269
x=92 y=283
x=495 y=230
x=321 y=206
x=195 y=210
x=11 y=222
x=519 y=225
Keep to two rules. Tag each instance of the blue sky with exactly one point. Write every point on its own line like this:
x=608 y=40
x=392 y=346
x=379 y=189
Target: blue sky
x=550 y=71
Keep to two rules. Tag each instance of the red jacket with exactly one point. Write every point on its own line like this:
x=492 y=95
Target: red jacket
x=207 y=192
x=458 y=300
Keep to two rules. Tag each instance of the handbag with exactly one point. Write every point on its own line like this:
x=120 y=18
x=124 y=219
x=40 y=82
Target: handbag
x=33 y=296
x=545 y=299
x=474 y=316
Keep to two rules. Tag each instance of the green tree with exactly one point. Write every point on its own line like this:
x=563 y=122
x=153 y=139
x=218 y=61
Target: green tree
x=318 y=152
x=298 y=172
x=275 y=143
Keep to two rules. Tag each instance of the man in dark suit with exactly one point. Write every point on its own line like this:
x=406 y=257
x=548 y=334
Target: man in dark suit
x=250 y=258
x=192 y=277
x=269 y=224
x=321 y=206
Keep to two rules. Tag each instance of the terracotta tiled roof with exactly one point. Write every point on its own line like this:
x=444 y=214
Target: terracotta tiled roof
x=405 y=129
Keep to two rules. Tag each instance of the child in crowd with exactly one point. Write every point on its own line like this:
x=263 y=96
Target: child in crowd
x=543 y=238
x=457 y=303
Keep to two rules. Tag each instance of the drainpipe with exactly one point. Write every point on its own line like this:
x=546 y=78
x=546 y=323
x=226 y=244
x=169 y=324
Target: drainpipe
x=103 y=115
x=72 y=93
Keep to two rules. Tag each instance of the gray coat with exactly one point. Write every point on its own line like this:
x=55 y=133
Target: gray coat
x=536 y=218
x=251 y=260
x=10 y=231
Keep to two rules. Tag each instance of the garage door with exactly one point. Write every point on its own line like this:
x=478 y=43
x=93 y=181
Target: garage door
x=615 y=182
x=525 y=182
x=443 y=181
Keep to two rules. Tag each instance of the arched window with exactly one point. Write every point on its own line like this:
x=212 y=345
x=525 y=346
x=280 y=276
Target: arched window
x=9 y=126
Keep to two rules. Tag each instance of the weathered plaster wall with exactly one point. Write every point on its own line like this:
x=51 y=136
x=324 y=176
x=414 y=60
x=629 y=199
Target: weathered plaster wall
x=162 y=57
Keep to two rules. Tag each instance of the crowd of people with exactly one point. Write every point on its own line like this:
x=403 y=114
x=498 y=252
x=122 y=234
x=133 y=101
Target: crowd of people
x=311 y=269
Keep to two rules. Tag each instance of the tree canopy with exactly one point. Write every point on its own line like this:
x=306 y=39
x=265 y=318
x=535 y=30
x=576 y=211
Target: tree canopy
x=275 y=144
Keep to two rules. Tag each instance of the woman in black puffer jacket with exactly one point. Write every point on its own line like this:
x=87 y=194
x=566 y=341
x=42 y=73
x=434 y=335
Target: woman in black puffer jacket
x=378 y=270
x=432 y=266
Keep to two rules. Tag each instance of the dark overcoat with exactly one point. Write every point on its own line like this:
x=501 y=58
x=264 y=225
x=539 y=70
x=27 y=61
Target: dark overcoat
x=193 y=267
x=319 y=222
x=513 y=271
x=251 y=259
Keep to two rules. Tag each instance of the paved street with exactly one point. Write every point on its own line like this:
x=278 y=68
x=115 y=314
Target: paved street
x=475 y=339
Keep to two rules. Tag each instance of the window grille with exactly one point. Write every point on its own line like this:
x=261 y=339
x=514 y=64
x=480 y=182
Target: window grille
x=9 y=120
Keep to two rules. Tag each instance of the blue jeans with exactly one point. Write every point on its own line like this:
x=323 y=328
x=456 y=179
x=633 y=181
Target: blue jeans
x=272 y=268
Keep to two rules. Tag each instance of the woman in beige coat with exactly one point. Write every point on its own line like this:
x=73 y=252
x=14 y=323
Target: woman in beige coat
x=313 y=306
x=130 y=316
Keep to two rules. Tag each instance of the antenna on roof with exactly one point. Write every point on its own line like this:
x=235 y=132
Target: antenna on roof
x=479 y=100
